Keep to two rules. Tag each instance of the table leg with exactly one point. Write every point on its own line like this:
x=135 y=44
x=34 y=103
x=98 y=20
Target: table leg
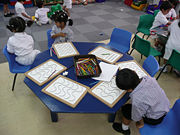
x=111 y=117
x=54 y=116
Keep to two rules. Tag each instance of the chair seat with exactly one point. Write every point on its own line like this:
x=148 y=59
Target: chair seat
x=144 y=31
x=18 y=68
x=154 y=52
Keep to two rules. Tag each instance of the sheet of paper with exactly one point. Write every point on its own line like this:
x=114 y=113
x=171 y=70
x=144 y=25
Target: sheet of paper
x=108 y=71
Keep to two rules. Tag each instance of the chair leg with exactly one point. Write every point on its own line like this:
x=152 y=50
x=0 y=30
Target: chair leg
x=134 y=36
x=141 y=56
x=131 y=51
x=147 y=37
x=14 y=81
x=159 y=59
x=161 y=72
x=143 y=36
x=171 y=69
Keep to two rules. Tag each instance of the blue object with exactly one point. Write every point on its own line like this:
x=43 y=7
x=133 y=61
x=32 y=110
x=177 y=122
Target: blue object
x=50 y=40
x=151 y=8
x=169 y=126
x=89 y=104
x=120 y=40
x=151 y=65
x=14 y=67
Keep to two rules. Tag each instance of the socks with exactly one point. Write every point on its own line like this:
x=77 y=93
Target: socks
x=125 y=127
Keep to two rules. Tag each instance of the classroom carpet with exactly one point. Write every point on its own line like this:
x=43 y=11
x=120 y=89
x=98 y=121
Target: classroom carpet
x=93 y=22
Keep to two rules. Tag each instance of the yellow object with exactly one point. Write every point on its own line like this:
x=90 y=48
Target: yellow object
x=141 y=7
x=33 y=17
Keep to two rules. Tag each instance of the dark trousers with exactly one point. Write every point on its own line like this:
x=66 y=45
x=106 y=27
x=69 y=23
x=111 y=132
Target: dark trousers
x=126 y=111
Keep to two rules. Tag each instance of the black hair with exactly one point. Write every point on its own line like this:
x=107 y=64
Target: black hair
x=127 y=79
x=61 y=16
x=165 y=5
x=39 y=3
x=179 y=19
x=18 y=24
x=174 y=2
x=21 y=0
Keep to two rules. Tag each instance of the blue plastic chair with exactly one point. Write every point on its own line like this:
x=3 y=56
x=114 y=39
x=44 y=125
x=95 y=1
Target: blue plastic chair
x=120 y=40
x=50 y=40
x=151 y=65
x=14 y=67
x=169 y=126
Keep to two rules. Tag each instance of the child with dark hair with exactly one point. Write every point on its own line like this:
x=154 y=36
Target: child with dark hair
x=60 y=31
x=149 y=103
x=21 y=44
x=160 y=18
x=41 y=14
x=173 y=41
x=20 y=11
x=172 y=13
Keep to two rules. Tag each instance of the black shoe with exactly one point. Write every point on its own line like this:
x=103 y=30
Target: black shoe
x=118 y=128
x=10 y=13
x=7 y=15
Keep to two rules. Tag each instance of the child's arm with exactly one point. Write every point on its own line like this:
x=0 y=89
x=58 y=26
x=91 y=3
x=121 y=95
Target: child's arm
x=70 y=35
x=10 y=47
x=140 y=124
x=23 y=14
x=59 y=35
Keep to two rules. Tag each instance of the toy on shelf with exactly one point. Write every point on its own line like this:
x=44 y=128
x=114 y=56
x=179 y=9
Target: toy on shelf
x=128 y=2
x=54 y=8
x=152 y=8
x=139 y=4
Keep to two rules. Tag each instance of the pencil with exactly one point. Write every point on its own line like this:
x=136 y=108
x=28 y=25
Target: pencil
x=51 y=74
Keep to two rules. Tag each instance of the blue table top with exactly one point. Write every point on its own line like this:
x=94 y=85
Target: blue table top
x=88 y=104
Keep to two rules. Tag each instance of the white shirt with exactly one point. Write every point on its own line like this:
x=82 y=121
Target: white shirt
x=19 y=8
x=160 y=19
x=41 y=14
x=68 y=4
x=20 y=44
x=172 y=13
x=174 y=38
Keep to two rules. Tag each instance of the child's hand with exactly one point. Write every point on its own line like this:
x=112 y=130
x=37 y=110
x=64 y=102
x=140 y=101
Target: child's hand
x=62 y=34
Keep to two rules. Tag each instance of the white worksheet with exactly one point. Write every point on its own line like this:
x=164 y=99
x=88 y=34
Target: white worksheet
x=65 y=49
x=105 y=54
x=66 y=90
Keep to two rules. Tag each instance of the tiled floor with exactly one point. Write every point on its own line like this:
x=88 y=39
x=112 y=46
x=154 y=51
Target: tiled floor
x=92 y=23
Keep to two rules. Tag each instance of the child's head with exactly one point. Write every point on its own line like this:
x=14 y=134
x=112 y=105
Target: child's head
x=60 y=19
x=127 y=79
x=39 y=4
x=16 y=24
x=174 y=3
x=165 y=7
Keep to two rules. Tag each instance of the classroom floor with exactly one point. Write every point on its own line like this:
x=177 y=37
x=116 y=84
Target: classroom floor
x=22 y=113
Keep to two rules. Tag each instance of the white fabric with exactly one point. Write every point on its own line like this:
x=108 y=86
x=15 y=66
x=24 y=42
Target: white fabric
x=22 y=46
x=172 y=13
x=19 y=8
x=41 y=14
x=160 y=19
x=173 y=40
x=68 y=4
x=125 y=127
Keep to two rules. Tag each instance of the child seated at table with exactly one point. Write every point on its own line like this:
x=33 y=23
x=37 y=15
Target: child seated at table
x=21 y=44
x=41 y=14
x=173 y=41
x=60 y=31
x=149 y=103
x=20 y=11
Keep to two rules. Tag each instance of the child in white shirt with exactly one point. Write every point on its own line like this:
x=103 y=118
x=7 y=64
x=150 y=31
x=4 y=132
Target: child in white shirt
x=20 y=10
x=41 y=14
x=60 y=32
x=67 y=5
x=21 y=44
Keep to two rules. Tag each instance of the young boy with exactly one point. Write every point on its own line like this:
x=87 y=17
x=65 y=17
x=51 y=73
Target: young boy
x=41 y=14
x=20 y=11
x=149 y=102
x=160 y=18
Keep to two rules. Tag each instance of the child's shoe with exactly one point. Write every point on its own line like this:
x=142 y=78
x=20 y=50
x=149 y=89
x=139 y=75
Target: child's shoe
x=165 y=69
x=38 y=23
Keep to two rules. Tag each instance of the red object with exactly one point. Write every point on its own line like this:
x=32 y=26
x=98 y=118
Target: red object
x=128 y=2
x=12 y=3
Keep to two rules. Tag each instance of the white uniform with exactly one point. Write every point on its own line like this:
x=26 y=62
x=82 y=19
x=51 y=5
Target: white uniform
x=68 y=4
x=19 y=8
x=172 y=13
x=22 y=46
x=41 y=14
x=173 y=40
x=160 y=19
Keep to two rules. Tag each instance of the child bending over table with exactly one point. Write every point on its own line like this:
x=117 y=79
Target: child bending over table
x=149 y=103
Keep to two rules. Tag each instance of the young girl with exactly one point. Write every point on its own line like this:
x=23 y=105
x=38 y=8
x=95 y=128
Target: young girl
x=60 y=32
x=20 y=43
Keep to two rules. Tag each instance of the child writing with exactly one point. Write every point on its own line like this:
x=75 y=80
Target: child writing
x=21 y=44
x=60 y=32
x=41 y=14
x=149 y=103
x=173 y=41
x=20 y=11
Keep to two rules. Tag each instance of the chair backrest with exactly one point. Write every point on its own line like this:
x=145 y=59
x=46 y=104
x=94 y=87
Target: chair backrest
x=142 y=46
x=14 y=67
x=119 y=38
x=156 y=12
x=145 y=23
x=50 y=40
x=174 y=60
x=151 y=65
